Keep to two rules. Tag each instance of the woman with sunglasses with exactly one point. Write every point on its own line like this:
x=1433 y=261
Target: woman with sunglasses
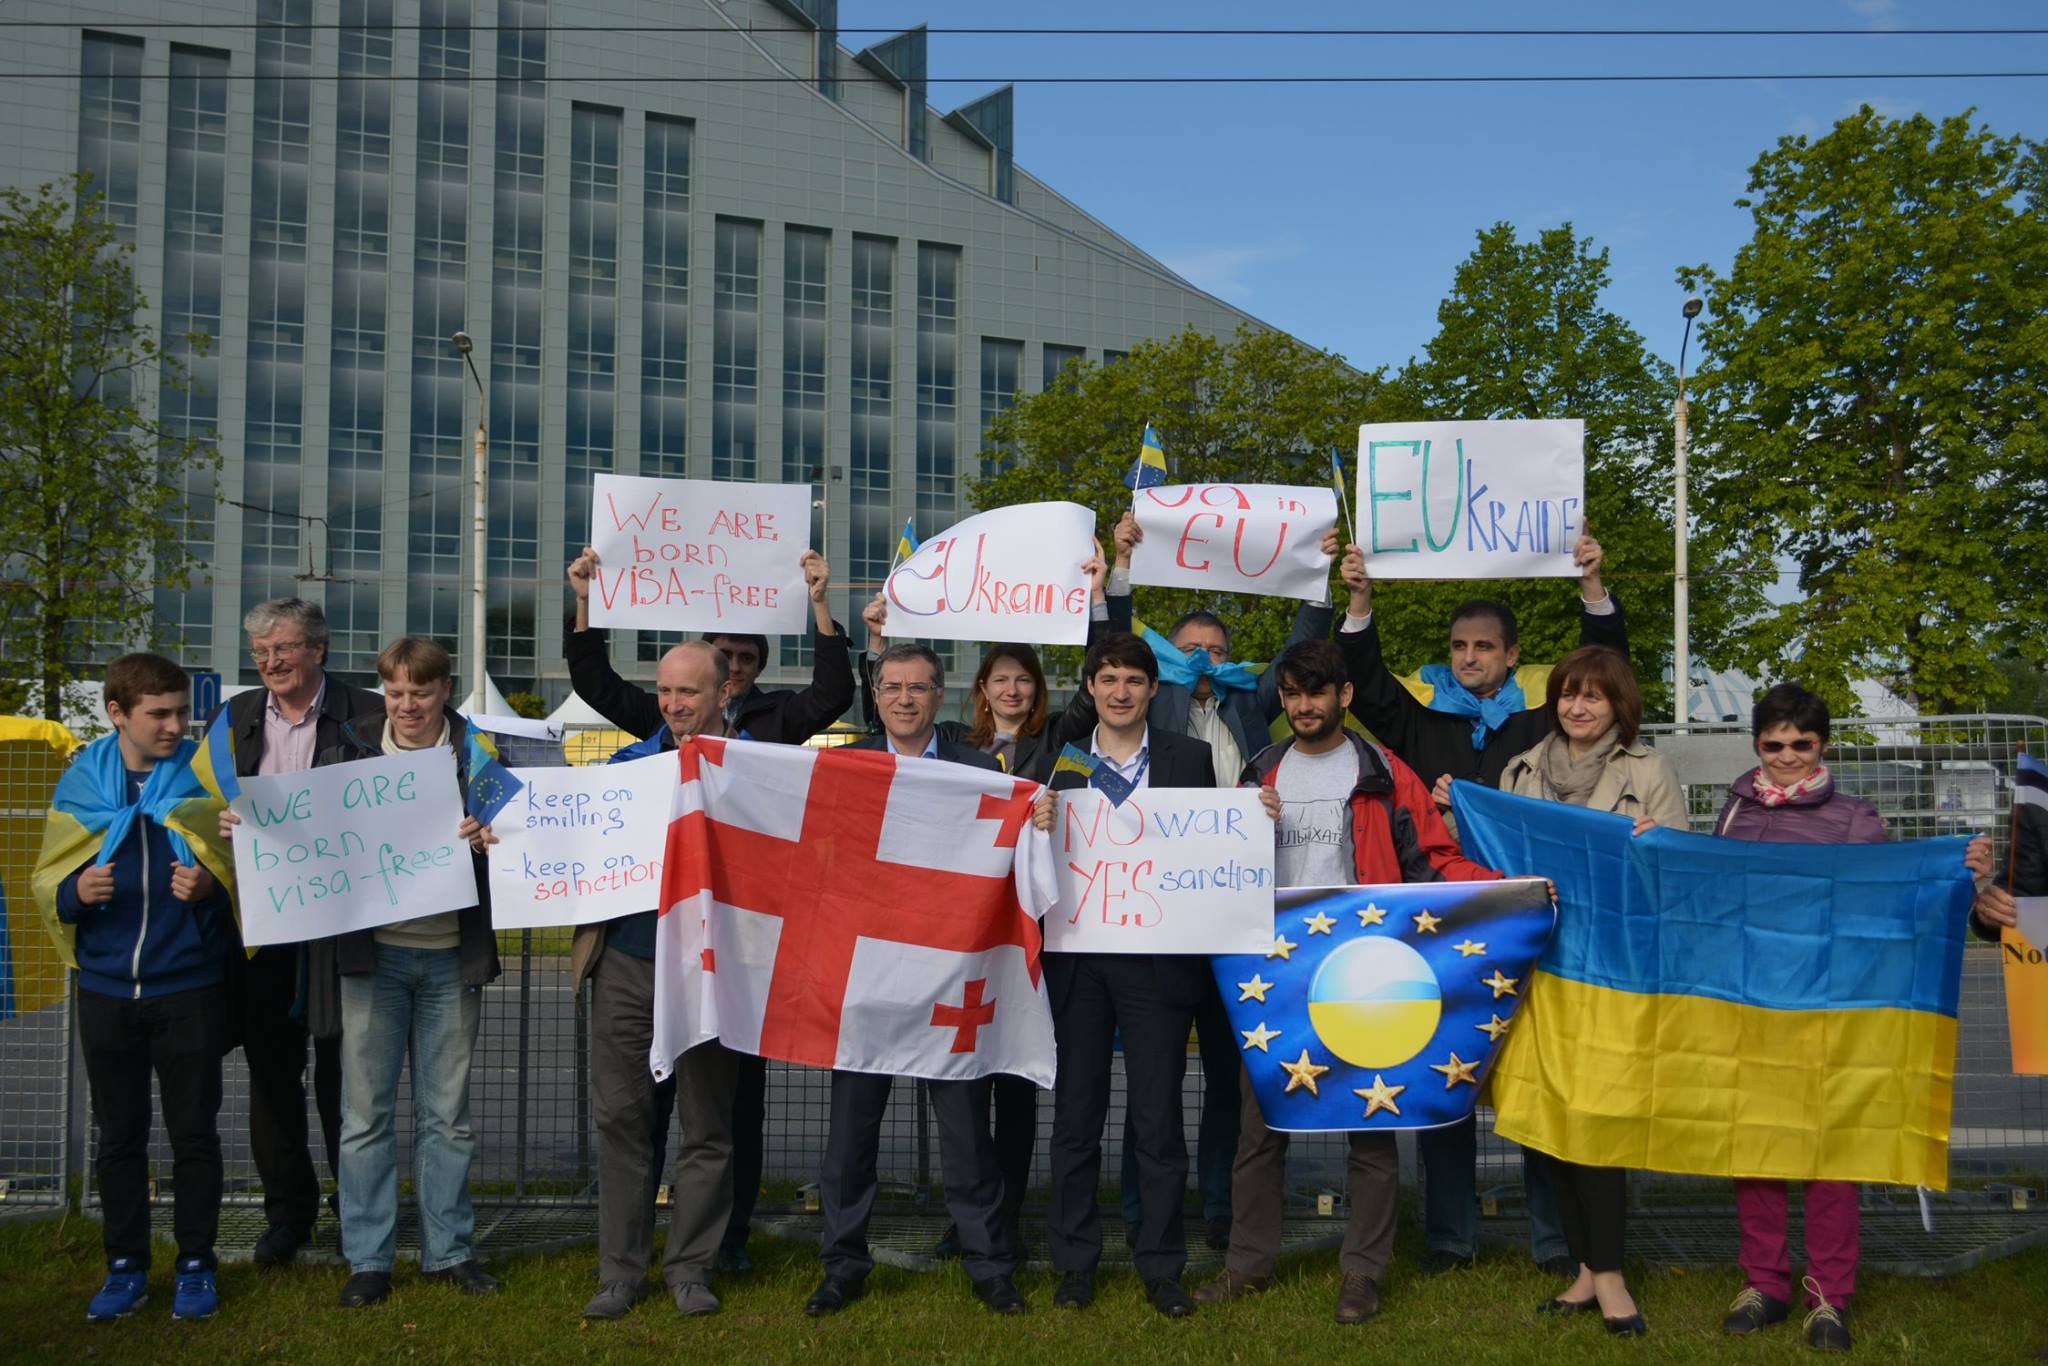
x=1790 y=798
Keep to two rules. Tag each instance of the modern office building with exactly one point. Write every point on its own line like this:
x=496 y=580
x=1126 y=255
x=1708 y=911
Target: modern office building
x=697 y=237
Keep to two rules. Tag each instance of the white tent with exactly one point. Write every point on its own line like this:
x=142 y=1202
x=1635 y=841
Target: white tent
x=574 y=711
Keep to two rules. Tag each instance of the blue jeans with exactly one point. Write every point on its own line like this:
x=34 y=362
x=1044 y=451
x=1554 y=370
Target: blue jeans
x=1450 y=1195
x=414 y=1005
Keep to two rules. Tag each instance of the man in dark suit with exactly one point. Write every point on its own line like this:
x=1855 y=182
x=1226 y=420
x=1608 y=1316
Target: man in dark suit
x=779 y=717
x=286 y=726
x=1147 y=999
x=910 y=684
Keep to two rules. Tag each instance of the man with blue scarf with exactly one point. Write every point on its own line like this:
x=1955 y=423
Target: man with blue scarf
x=1477 y=717
x=124 y=886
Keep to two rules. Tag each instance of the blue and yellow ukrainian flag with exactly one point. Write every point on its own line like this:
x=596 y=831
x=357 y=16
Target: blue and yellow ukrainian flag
x=1073 y=759
x=1731 y=1008
x=214 y=764
x=1149 y=469
x=907 y=543
x=1381 y=1007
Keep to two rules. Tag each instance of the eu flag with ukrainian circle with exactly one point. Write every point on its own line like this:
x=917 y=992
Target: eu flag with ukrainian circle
x=1732 y=1008
x=1381 y=1007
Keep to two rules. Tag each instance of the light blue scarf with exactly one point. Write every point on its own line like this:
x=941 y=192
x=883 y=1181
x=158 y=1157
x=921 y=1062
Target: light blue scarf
x=1488 y=714
x=94 y=791
x=1186 y=669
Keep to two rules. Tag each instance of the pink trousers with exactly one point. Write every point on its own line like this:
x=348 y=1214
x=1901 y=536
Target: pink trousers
x=1832 y=1225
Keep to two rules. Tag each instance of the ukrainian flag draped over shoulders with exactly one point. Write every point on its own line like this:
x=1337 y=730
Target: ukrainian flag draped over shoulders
x=1731 y=1008
x=90 y=816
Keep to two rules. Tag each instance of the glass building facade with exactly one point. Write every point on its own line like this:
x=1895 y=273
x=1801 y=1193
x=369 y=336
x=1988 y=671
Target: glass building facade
x=329 y=193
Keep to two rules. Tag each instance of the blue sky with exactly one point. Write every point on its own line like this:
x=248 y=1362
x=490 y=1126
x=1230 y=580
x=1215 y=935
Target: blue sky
x=1340 y=212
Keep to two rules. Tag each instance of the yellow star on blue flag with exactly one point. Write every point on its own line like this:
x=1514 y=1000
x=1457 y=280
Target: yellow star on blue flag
x=1401 y=1017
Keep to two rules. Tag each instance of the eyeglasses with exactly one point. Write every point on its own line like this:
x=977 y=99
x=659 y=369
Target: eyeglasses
x=1796 y=746
x=284 y=649
x=914 y=690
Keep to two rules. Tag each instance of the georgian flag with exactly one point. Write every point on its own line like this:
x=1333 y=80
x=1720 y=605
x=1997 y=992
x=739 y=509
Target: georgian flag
x=853 y=909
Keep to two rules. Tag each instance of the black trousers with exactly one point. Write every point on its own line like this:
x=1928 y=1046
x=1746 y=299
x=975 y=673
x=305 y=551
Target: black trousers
x=967 y=1161
x=1150 y=1000
x=1015 y=1102
x=1593 y=1202
x=263 y=993
x=179 y=1038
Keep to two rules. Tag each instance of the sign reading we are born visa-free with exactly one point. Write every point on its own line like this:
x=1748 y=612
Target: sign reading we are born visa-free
x=1470 y=500
x=699 y=555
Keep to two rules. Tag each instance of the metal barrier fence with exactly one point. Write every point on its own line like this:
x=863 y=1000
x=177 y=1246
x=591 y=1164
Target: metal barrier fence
x=530 y=1091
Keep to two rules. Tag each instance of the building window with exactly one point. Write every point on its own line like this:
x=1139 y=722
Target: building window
x=110 y=125
x=1001 y=364
x=517 y=302
x=355 y=411
x=593 y=311
x=938 y=395
x=665 y=318
x=805 y=254
x=1110 y=357
x=735 y=348
x=195 y=172
x=1054 y=362
x=872 y=339
x=440 y=382
x=273 y=433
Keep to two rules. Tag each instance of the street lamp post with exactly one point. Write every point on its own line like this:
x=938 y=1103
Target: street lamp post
x=1681 y=584
x=479 y=546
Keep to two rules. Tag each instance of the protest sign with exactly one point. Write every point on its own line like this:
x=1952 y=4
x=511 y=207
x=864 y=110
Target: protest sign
x=1171 y=870
x=1471 y=500
x=1235 y=538
x=1012 y=573
x=2024 y=951
x=698 y=555
x=350 y=847
x=580 y=845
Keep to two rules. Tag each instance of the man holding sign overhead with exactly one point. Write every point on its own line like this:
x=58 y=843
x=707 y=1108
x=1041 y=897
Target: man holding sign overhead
x=1477 y=717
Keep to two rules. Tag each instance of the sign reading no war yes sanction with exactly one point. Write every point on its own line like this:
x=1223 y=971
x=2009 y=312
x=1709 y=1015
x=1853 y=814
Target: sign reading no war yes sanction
x=350 y=847
x=1172 y=870
x=1470 y=500
x=580 y=845
x=1235 y=538
x=699 y=555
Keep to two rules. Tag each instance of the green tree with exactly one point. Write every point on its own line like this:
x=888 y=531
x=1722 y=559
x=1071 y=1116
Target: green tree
x=1523 y=334
x=89 y=479
x=1870 y=410
x=1259 y=407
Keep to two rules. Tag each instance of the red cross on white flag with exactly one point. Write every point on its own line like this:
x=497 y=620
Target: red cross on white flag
x=853 y=909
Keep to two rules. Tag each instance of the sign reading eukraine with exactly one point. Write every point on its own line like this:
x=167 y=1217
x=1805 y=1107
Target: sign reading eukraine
x=1471 y=500
x=1011 y=573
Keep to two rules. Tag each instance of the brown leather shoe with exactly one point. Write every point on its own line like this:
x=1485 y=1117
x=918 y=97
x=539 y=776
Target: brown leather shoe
x=1358 y=1301
x=1230 y=1286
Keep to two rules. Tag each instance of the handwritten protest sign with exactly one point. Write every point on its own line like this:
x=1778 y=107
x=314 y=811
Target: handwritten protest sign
x=580 y=845
x=1235 y=538
x=1172 y=870
x=1470 y=500
x=350 y=847
x=1012 y=573
x=698 y=555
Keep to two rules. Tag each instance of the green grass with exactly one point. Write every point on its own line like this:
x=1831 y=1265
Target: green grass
x=48 y=1270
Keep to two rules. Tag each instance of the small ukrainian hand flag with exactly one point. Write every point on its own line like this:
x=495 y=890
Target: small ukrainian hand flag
x=1149 y=470
x=1074 y=760
x=907 y=544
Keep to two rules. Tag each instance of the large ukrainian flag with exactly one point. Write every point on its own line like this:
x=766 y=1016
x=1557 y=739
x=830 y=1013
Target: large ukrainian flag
x=1730 y=1008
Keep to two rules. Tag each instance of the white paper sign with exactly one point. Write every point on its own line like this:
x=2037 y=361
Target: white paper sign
x=1011 y=573
x=1470 y=500
x=350 y=847
x=580 y=845
x=1172 y=870
x=699 y=555
x=1235 y=538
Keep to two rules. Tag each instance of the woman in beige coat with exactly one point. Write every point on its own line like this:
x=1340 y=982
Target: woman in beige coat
x=1594 y=759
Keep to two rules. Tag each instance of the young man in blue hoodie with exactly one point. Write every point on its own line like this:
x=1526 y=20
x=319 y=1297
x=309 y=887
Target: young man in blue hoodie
x=149 y=929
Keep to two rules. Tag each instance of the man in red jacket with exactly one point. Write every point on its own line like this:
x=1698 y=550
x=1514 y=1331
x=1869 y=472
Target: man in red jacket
x=1346 y=812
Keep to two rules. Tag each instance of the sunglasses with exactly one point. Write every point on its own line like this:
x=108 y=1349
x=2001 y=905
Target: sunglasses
x=1796 y=746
